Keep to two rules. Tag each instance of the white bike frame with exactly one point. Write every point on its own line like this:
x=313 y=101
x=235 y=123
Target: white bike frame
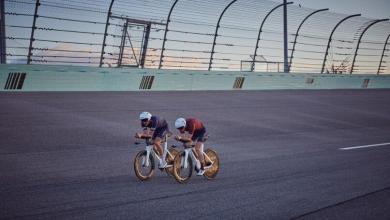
x=149 y=150
x=190 y=152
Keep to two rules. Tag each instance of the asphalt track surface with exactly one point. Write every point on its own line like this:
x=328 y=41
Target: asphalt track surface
x=70 y=155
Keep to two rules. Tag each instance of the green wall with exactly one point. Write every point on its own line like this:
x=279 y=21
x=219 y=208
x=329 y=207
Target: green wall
x=76 y=78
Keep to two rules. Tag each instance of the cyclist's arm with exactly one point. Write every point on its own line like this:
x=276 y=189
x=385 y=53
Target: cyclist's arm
x=183 y=139
x=149 y=131
x=187 y=138
x=146 y=133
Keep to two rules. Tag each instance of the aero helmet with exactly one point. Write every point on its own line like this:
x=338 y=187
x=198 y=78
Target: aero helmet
x=180 y=122
x=145 y=115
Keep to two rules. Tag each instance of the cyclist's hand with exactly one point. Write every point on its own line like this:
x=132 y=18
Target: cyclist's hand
x=177 y=137
x=138 y=135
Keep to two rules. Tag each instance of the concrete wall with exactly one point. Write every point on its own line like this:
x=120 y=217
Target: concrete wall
x=74 y=78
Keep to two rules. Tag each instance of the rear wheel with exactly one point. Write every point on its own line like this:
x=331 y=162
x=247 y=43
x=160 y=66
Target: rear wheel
x=182 y=174
x=211 y=172
x=143 y=170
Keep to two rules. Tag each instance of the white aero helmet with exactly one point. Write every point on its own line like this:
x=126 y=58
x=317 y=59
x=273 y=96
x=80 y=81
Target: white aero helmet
x=145 y=115
x=180 y=122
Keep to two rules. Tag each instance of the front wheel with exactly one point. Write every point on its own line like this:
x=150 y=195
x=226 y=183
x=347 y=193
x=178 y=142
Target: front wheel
x=143 y=169
x=182 y=170
x=211 y=172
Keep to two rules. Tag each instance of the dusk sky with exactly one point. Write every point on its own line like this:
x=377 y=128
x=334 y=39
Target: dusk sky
x=370 y=9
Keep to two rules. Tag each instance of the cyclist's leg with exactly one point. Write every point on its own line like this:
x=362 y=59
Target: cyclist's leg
x=157 y=144
x=199 y=138
x=199 y=151
x=160 y=151
x=158 y=137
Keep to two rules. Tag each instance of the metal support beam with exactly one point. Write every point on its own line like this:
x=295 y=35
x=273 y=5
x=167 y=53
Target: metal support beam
x=145 y=45
x=136 y=21
x=105 y=32
x=285 y=37
x=3 y=47
x=37 y=4
x=147 y=25
x=165 y=34
x=216 y=33
x=383 y=53
x=122 y=46
x=132 y=47
x=330 y=38
x=297 y=33
x=260 y=30
x=360 y=38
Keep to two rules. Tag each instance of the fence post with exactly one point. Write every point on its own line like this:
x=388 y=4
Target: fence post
x=260 y=30
x=216 y=33
x=296 y=34
x=330 y=39
x=383 y=53
x=165 y=34
x=32 y=32
x=3 y=47
x=360 y=38
x=105 y=33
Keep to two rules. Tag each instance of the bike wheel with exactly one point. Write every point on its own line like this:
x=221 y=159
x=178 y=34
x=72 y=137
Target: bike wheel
x=142 y=171
x=169 y=159
x=182 y=175
x=212 y=172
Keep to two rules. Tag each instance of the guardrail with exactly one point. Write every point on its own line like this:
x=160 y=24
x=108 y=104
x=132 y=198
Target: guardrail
x=74 y=78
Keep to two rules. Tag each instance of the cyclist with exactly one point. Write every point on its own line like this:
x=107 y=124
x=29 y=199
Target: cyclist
x=156 y=128
x=196 y=131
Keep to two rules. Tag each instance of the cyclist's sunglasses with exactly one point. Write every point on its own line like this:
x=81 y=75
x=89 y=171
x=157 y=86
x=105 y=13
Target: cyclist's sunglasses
x=144 y=120
x=180 y=128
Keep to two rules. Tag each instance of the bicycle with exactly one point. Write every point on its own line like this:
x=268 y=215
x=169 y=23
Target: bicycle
x=183 y=163
x=144 y=161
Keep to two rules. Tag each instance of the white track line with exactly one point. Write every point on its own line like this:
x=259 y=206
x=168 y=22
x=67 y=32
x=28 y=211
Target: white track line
x=364 y=146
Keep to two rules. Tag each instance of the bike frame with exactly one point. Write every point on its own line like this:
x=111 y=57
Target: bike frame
x=190 y=152
x=150 y=150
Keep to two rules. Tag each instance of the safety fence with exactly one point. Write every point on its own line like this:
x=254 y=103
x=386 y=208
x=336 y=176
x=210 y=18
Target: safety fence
x=236 y=35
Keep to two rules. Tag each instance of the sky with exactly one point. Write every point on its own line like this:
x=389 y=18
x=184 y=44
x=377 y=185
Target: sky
x=376 y=9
